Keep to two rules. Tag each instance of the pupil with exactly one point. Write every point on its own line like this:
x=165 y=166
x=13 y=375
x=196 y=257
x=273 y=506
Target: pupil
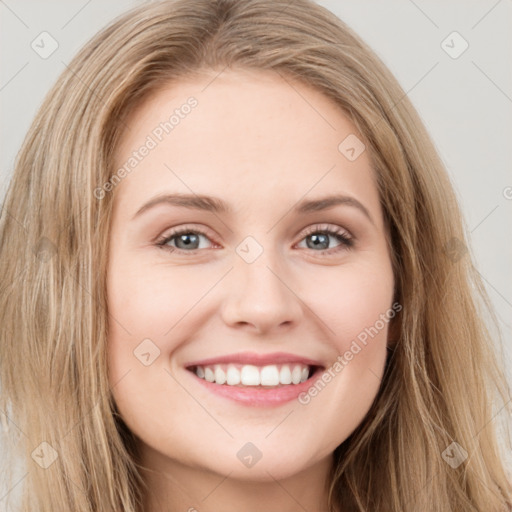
x=186 y=239
x=318 y=240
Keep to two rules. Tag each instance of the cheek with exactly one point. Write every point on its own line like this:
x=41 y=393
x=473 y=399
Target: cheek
x=352 y=302
x=150 y=310
x=146 y=305
x=355 y=306
x=149 y=302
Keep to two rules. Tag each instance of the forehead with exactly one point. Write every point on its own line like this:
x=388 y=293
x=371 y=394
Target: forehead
x=250 y=136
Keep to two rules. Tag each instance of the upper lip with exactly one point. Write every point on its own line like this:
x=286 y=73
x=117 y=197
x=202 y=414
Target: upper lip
x=256 y=359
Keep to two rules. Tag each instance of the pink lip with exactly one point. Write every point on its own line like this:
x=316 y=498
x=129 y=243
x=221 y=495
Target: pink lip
x=255 y=359
x=260 y=396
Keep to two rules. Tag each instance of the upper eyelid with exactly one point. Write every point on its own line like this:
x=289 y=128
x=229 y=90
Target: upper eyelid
x=330 y=227
x=184 y=229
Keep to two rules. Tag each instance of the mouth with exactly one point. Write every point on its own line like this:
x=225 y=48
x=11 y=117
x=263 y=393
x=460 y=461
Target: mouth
x=270 y=376
x=253 y=379
x=256 y=386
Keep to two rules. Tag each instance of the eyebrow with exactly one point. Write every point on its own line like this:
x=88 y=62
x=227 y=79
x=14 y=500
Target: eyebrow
x=327 y=202
x=191 y=201
x=216 y=205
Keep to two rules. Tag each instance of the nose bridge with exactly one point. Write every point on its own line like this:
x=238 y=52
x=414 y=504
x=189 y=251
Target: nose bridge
x=259 y=293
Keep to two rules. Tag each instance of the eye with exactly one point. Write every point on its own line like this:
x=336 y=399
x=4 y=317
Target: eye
x=317 y=237
x=188 y=239
x=185 y=240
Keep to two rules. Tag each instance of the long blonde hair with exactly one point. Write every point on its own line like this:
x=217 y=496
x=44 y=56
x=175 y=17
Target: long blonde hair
x=443 y=382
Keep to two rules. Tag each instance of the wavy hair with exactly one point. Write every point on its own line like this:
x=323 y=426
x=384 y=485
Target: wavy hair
x=443 y=381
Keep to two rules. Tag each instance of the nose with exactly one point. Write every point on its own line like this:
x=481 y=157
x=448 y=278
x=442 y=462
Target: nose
x=260 y=296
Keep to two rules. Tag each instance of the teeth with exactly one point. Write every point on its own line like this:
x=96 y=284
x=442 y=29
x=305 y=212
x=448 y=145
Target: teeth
x=220 y=376
x=270 y=376
x=233 y=377
x=250 y=375
x=296 y=374
x=208 y=375
x=285 y=375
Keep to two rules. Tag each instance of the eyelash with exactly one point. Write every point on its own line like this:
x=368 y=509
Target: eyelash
x=346 y=242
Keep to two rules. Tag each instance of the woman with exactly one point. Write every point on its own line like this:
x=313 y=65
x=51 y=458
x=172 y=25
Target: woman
x=252 y=371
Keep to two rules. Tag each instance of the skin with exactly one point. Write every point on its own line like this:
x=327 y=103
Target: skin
x=262 y=146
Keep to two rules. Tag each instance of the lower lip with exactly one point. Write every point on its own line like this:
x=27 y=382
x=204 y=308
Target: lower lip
x=260 y=396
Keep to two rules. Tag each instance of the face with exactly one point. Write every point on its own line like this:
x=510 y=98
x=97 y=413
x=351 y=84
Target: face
x=226 y=263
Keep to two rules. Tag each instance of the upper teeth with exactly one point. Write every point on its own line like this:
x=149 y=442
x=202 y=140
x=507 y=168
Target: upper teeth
x=250 y=375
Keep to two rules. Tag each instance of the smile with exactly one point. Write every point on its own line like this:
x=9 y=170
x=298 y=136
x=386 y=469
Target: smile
x=256 y=379
x=250 y=375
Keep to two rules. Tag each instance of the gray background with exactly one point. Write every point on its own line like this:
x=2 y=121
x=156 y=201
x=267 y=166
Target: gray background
x=465 y=102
